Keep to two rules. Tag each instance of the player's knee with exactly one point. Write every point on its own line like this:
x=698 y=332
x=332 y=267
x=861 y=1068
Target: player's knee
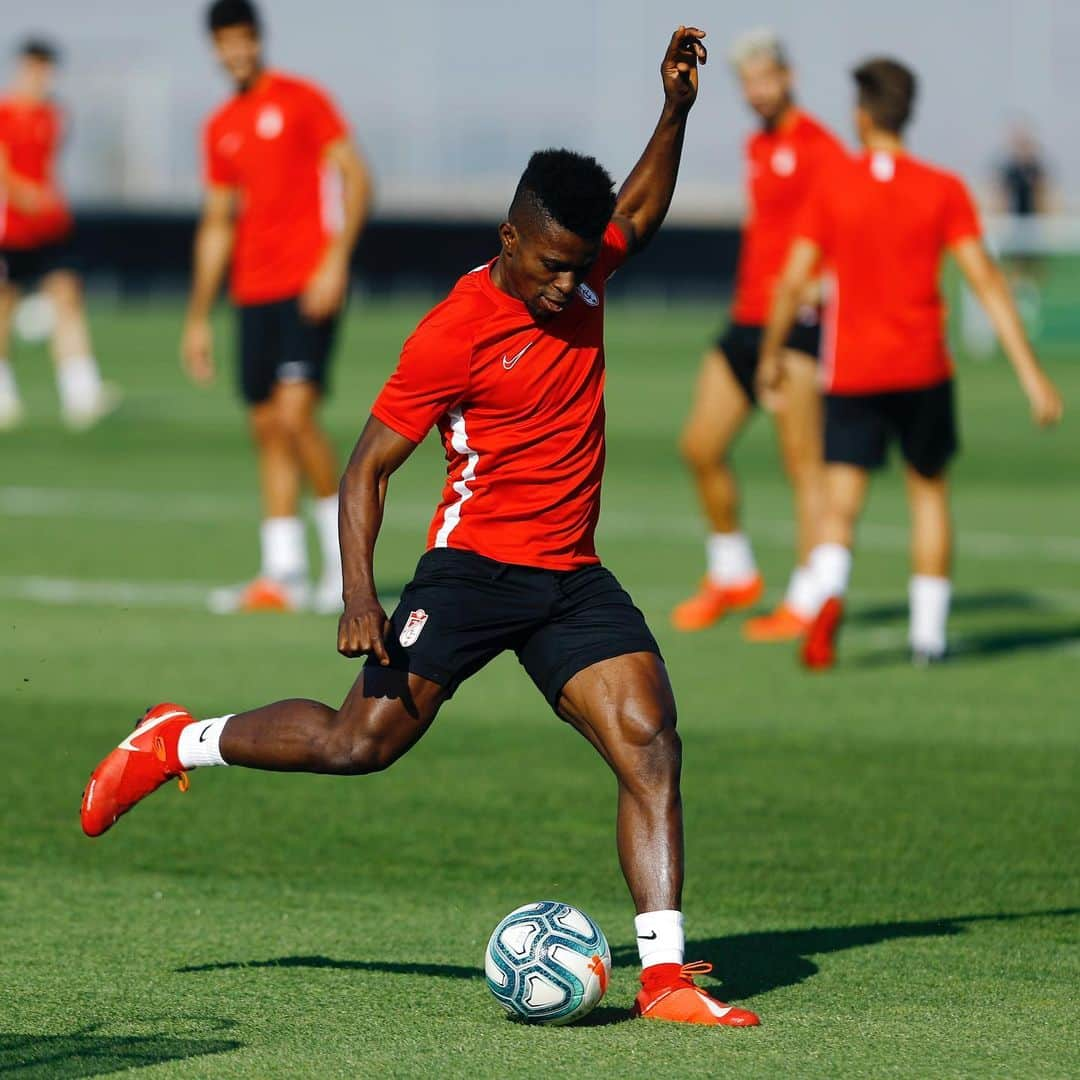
x=65 y=291
x=651 y=752
x=359 y=754
x=296 y=423
x=697 y=452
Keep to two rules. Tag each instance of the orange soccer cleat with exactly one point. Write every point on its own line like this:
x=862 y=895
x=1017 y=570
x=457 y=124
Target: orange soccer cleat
x=262 y=594
x=712 y=602
x=668 y=992
x=137 y=767
x=783 y=624
x=819 y=645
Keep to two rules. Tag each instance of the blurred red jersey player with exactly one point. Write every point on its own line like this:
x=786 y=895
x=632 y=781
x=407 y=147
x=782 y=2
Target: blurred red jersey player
x=882 y=225
x=287 y=198
x=785 y=158
x=35 y=242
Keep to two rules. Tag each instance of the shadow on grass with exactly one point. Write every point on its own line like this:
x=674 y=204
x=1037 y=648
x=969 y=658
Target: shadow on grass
x=980 y=646
x=974 y=603
x=90 y=1052
x=447 y=971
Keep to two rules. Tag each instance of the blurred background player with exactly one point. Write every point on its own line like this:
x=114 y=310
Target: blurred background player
x=784 y=159
x=888 y=372
x=287 y=197
x=35 y=235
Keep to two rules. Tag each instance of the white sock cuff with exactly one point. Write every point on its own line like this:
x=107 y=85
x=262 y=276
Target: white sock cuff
x=325 y=510
x=200 y=743
x=801 y=594
x=660 y=937
x=929 y=599
x=284 y=548
x=831 y=567
x=730 y=558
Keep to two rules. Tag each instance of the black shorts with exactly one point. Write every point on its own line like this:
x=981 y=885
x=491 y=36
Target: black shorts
x=277 y=344
x=860 y=427
x=25 y=267
x=741 y=344
x=461 y=610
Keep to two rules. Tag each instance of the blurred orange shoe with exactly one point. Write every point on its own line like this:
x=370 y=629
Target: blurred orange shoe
x=819 y=646
x=668 y=992
x=262 y=594
x=783 y=624
x=712 y=602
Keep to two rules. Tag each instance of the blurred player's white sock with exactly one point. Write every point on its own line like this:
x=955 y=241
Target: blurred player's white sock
x=830 y=567
x=79 y=384
x=326 y=525
x=10 y=405
x=200 y=743
x=730 y=558
x=284 y=549
x=801 y=594
x=929 y=599
x=660 y=938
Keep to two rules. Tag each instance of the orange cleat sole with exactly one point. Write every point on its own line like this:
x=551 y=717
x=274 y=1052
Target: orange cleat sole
x=712 y=602
x=783 y=624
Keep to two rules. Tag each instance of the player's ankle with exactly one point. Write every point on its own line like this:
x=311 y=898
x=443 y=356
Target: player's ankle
x=199 y=744
x=660 y=938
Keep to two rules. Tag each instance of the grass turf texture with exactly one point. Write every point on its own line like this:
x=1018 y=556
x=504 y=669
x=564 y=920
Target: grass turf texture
x=881 y=861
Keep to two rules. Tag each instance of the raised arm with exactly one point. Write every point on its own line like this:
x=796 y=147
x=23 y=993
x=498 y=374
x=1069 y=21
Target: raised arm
x=989 y=285
x=213 y=249
x=378 y=453
x=645 y=197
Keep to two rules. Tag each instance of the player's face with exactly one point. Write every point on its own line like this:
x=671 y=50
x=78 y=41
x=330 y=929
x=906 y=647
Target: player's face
x=35 y=77
x=766 y=86
x=239 y=51
x=544 y=264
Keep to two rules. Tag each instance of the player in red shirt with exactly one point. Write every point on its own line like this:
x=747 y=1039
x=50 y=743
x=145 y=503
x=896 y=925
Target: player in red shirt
x=510 y=369
x=35 y=243
x=789 y=153
x=274 y=154
x=882 y=225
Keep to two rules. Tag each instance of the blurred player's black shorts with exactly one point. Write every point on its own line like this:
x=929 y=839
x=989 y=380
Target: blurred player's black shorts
x=461 y=610
x=741 y=343
x=277 y=344
x=860 y=427
x=25 y=267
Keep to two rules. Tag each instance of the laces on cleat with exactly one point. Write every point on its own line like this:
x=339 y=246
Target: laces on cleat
x=182 y=782
x=697 y=967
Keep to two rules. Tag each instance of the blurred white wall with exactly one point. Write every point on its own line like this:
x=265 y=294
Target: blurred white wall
x=448 y=98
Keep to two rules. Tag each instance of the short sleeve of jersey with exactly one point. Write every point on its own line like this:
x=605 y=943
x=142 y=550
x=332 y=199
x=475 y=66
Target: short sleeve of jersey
x=217 y=169
x=432 y=376
x=327 y=123
x=961 y=217
x=813 y=220
x=614 y=250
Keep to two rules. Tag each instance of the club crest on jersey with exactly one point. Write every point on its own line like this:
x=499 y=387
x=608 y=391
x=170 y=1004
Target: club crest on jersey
x=783 y=161
x=413 y=625
x=269 y=123
x=588 y=295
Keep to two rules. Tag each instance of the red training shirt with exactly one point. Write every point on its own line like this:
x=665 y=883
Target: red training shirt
x=30 y=134
x=268 y=143
x=782 y=168
x=883 y=223
x=520 y=408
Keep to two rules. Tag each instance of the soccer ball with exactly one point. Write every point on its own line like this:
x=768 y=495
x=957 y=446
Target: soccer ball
x=547 y=963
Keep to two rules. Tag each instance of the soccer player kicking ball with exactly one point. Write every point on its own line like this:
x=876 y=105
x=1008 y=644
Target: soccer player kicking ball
x=784 y=160
x=35 y=244
x=510 y=368
x=274 y=154
x=882 y=224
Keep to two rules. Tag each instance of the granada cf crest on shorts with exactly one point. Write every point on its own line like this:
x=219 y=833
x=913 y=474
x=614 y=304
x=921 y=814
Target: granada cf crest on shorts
x=413 y=625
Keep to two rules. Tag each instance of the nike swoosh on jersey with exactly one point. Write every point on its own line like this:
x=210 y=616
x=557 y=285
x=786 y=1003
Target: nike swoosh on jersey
x=508 y=364
x=127 y=744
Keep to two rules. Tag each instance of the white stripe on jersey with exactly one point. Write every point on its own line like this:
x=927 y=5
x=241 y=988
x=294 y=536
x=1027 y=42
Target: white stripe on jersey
x=460 y=442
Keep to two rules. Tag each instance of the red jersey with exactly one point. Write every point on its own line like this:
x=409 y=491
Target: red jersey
x=520 y=408
x=782 y=168
x=268 y=143
x=30 y=135
x=883 y=223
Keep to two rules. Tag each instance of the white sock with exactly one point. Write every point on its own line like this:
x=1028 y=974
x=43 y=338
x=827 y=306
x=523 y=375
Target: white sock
x=200 y=743
x=929 y=599
x=730 y=558
x=9 y=389
x=801 y=594
x=830 y=568
x=326 y=525
x=284 y=549
x=660 y=938
x=79 y=383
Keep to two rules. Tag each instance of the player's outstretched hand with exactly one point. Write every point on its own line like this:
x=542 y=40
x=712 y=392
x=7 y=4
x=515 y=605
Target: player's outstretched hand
x=362 y=630
x=197 y=351
x=679 y=70
x=1045 y=401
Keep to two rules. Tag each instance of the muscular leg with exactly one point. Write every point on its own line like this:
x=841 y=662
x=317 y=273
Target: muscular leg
x=11 y=409
x=279 y=469
x=931 y=524
x=9 y=297
x=625 y=707
x=71 y=336
x=845 y=494
x=296 y=404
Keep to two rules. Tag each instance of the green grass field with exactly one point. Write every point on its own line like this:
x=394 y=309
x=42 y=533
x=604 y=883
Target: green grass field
x=882 y=861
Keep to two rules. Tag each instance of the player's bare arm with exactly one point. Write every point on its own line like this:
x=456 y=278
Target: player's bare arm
x=989 y=285
x=790 y=291
x=378 y=453
x=646 y=195
x=24 y=194
x=213 y=249
x=325 y=292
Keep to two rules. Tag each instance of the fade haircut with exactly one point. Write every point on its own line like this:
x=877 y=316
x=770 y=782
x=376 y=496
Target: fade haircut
x=225 y=13
x=36 y=48
x=886 y=90
x=760 y=43
x=570 y=189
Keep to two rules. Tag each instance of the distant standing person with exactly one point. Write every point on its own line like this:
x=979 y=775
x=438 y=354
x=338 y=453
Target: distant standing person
x=287 y=198
x=1022 y=175
x=35 y=242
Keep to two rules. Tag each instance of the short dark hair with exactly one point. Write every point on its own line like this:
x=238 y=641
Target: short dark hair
x=37 y=48
x=886 y=90
x=571 y=189
x=225 y=13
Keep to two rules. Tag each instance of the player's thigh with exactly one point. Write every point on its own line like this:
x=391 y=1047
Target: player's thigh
x=719 y=411
x=926 y=425
x=64 y=289
x=800 y=424
x=306 y=348
x=259 y=336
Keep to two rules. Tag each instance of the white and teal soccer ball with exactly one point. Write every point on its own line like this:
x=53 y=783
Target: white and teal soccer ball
x=547 y=963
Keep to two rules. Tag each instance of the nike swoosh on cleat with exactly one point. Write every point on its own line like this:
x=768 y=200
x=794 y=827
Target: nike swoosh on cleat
x=718 y=1010
x=127 y=744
